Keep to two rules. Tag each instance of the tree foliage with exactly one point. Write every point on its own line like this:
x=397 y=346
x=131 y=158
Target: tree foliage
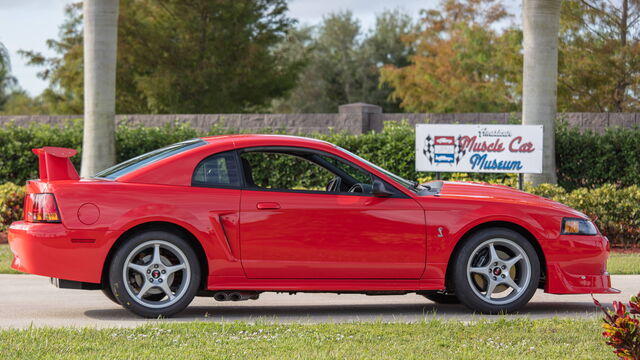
x=462 y=63
x=343 y=62
x=199 y=56
x=64 y=72
x=599 y=67
x=6 y=80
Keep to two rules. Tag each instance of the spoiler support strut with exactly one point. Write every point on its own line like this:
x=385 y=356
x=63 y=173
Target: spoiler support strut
x=55 y=163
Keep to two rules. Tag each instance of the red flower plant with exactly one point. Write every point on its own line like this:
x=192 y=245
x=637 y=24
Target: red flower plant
x=622 y=328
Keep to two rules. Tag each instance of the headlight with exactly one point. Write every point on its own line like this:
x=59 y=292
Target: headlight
x=577 y=226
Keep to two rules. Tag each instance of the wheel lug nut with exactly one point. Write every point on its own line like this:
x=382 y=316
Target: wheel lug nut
x=150 y=279
x=159 y=280
x=148 y=271
x=495 y=278
x=503 y=276
x=164 y=271
x=155 y=266
x=504 y=267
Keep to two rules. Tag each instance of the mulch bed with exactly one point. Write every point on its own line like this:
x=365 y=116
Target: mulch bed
x=3 y=237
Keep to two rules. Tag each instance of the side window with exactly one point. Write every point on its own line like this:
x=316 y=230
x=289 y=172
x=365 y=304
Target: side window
x=283 y=170
x=219 y=170
x=358 y=175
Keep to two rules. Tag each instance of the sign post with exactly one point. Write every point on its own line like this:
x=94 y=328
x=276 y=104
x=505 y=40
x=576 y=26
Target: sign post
x=479 y=148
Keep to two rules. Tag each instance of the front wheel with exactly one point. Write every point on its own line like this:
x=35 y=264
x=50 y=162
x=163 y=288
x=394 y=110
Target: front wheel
x=497 y=270
x=155 y=274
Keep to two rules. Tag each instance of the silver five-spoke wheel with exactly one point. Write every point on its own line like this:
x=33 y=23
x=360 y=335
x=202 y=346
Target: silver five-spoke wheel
x=156 y=273
x=495 y=270
x=498 y=271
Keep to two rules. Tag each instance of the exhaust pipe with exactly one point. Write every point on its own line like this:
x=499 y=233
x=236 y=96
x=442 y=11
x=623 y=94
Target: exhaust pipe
x=243 y=295
x=221 y=296
x=235 y=295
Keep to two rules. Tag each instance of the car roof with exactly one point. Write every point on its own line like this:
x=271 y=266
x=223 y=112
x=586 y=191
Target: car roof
x=246 y=140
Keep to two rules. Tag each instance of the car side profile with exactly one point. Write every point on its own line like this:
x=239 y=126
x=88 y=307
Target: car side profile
x=230 y=217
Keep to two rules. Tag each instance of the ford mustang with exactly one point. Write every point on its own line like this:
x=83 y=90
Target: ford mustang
x=230 y=217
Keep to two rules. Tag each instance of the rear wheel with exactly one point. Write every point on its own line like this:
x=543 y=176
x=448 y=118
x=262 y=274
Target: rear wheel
x=106 y=290
x=497 y=270
x=155 y=274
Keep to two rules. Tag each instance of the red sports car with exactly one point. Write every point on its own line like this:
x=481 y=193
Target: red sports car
x=233 y=216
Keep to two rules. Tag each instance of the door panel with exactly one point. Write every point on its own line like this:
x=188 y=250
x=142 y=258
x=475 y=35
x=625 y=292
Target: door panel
x=324 y=235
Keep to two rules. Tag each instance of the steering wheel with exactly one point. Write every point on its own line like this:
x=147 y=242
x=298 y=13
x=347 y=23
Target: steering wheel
x=334 y=184
x=356 y=188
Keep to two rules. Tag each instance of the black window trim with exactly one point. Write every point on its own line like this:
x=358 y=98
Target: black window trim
x=236 y=159
x=398 y=194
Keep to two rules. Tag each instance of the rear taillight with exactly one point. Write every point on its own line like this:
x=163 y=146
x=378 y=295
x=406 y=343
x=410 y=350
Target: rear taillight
x=41 y=208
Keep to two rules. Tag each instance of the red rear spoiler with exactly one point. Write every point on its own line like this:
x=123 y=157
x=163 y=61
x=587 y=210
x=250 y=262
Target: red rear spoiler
x=55 y=163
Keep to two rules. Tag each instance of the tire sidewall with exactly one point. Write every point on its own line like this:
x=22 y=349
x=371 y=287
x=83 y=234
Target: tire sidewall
x=463 y=289
x=117 y=281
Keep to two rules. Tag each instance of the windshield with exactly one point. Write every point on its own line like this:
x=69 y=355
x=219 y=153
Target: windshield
x=411 y=185
x=138 y=162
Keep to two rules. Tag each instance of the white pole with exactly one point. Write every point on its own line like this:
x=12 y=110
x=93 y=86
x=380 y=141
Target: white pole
x=541 y=21
x=100 y=46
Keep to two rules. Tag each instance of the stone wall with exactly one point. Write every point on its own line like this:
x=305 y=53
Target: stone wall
x=353 y=118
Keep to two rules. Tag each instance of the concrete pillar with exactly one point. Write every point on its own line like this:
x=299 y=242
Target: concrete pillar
x=363 y=116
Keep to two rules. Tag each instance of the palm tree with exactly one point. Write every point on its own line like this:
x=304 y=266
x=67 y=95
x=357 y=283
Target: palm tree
x=6 y=80
x=100 y=46
x=541 y=21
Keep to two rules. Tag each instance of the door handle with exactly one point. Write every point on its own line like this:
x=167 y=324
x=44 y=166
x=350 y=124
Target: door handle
x=267 y=205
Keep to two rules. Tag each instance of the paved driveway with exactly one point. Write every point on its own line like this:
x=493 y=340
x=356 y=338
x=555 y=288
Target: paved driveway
x=26 y=300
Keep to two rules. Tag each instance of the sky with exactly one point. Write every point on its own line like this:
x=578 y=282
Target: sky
x=27 y=24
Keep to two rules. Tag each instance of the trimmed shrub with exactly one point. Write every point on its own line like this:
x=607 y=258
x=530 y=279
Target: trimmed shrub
x=588 y=159
x=583 y=159
x=18 y=163
x=11 y=204
x=615 y=210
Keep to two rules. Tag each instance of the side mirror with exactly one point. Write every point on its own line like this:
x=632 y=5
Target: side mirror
x=379 y=190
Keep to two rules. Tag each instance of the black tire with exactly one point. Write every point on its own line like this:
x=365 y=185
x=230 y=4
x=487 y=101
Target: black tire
x=439 y=298
x=106 y=290
x=155 y=281
x=469 y=282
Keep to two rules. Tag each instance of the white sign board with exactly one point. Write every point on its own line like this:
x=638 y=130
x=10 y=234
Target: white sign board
x=479 y=148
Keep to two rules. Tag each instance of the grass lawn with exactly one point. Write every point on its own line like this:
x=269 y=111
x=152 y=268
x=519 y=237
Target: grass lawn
x=501 y=339
x=618 y=263
x=5 y=260
x=627 y=264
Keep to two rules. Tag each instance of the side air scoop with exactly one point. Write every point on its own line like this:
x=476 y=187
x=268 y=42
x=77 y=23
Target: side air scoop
x=55 y=163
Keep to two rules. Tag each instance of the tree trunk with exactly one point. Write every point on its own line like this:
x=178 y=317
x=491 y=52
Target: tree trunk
x=100 y=45
x=541 y=21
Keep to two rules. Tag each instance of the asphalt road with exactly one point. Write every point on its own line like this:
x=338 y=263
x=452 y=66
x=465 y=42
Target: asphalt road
x=27 y=300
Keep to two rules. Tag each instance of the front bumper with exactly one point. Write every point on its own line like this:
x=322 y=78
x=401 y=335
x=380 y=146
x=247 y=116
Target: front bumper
x=578 y=265
x=53 y=250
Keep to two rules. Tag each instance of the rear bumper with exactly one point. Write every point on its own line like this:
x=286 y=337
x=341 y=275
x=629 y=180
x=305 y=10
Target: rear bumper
x=52 y=250
x=579 y=266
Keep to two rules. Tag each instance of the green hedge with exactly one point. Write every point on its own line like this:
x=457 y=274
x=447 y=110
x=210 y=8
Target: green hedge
x=583 y=159
x=11 y=204
x=615 y=210
x=588 y=159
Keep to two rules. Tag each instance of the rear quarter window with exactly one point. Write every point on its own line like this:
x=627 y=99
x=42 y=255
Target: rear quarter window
x=219 y=170
x=143 y=160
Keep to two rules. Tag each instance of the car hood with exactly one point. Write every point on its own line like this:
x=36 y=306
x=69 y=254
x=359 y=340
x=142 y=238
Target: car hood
x=498 y=193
